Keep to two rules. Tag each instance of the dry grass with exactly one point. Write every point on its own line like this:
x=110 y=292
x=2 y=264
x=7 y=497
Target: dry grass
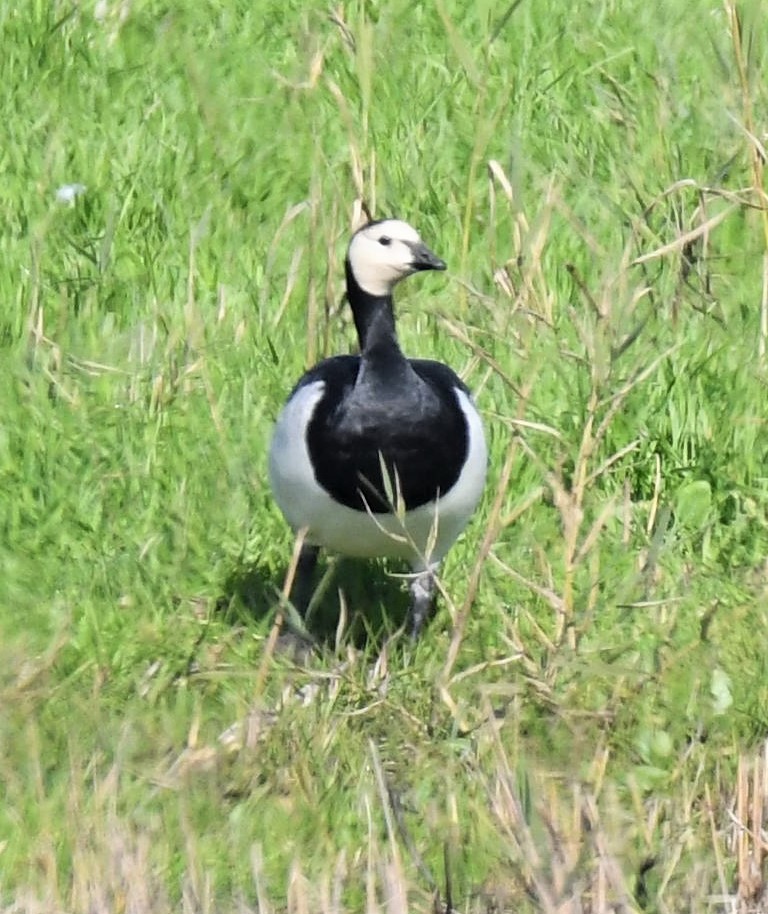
x=563 y=848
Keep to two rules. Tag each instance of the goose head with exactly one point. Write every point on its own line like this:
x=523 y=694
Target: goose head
x=382 y=253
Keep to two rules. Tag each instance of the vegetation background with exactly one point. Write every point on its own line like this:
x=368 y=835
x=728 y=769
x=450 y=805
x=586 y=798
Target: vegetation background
x=582 y=726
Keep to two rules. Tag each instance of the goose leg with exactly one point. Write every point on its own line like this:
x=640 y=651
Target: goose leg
x=422 y=589
x=303 y=585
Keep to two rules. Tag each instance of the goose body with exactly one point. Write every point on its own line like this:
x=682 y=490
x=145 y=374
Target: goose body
x=378 y=455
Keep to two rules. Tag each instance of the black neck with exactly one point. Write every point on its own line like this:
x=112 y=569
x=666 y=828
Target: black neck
x=374 y=318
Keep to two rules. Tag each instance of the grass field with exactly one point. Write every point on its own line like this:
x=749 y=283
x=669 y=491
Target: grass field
x=582 y=728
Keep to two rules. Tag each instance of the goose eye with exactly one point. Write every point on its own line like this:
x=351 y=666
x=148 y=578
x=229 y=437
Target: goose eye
x=385 y=240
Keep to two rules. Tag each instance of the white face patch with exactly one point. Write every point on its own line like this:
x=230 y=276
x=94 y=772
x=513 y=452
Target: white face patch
x=381 y=255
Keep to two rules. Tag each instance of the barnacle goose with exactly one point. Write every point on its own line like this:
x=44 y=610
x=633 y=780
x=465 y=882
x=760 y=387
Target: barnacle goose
x=378 y=455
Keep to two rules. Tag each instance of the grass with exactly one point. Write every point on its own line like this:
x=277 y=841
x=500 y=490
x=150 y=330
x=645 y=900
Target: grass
x=583 y=726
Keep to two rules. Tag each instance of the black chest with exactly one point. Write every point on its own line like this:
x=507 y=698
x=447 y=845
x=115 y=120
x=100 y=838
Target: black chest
x=374 y=444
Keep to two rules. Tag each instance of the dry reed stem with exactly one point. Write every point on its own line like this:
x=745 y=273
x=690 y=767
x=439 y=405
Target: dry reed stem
x=274 y=633
x=750 y=837
x=493 y=528
x=757 y=155
x=682 y=241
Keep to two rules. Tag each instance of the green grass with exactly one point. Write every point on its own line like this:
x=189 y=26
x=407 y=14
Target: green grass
x=578 y=724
